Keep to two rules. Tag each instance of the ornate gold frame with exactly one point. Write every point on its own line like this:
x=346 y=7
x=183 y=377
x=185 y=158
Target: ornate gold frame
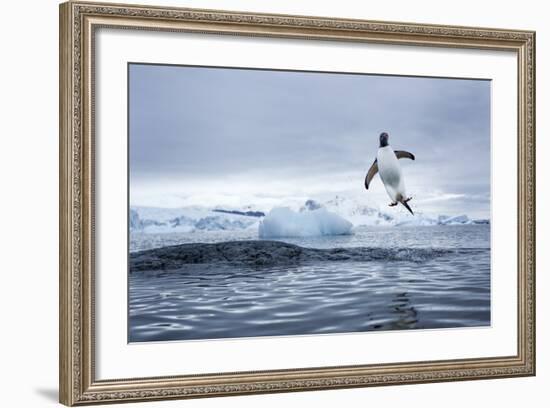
x=78 y=21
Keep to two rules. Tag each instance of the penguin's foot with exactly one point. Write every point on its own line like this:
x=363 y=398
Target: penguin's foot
x=407 y=200
x=393 y=204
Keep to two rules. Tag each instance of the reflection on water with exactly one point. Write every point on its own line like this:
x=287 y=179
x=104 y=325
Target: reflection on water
x=206 y=301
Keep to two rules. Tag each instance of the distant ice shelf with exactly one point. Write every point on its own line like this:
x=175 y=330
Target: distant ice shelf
x=335 y=216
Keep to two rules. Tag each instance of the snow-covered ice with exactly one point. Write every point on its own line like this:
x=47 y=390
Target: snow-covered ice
x=456 y=220
x=189 y=219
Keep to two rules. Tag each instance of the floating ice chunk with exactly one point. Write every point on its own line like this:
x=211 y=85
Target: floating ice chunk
x=284 y=222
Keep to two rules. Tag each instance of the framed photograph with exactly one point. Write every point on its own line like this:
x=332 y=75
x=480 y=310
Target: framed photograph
x=256 y=203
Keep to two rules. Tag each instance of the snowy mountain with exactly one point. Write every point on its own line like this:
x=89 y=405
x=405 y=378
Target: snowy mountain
x=361 y=214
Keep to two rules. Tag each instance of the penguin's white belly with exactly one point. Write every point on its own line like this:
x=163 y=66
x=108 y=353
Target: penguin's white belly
x=390 y=173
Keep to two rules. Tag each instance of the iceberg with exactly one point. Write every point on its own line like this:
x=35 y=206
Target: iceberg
x=456 y=220
x=481 y=221
x=284 y=222
x=419 y=220
x=138 y=224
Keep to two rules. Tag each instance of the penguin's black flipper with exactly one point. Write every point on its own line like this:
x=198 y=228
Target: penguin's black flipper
x=402 y=154
x=372 y=172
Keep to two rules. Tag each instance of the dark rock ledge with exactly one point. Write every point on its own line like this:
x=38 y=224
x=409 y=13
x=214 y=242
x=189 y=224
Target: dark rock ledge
x=267 y=253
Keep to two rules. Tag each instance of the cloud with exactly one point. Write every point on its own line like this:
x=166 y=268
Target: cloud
x=199 y=131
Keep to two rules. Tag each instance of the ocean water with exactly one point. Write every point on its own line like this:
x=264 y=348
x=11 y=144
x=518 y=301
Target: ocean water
x=413 y=278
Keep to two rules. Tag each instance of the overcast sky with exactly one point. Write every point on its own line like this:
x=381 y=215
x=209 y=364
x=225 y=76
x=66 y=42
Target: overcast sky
x=217 y=136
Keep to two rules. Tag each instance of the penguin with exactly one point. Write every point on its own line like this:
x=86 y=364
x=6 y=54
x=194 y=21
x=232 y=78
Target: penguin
x=387 y=164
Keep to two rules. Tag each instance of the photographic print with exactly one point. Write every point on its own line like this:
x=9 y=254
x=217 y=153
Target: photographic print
x=275 y=203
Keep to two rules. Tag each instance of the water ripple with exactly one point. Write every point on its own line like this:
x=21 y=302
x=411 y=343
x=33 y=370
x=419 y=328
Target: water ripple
x=202 y=301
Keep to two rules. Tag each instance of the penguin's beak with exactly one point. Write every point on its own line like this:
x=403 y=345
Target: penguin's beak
x=384 y=139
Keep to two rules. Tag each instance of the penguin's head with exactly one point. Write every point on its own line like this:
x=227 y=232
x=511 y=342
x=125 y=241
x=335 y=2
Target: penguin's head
x=384 y=139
